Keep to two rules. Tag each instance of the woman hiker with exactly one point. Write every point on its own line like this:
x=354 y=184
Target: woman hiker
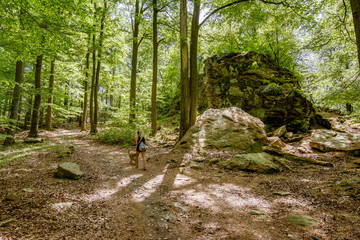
x=140 y=148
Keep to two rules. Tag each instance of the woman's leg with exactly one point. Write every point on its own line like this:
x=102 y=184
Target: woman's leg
x=144 y=159
x=137 y=159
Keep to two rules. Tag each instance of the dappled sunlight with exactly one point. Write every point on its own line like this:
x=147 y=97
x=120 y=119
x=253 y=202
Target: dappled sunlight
x=26 y=150
x=105 y=193
x=294 y=202
x=126 y=181
x=226 y=198
x=182 y=180
x=20 y=155
x=61 y=207
x=200 y=140
x=148 y=188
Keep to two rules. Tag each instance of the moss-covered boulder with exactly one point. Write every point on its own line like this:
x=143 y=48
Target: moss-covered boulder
x=256 y=162
x=68 y=170
x=301 y=220
x=252 y=82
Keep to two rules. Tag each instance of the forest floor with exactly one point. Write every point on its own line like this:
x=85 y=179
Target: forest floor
x=171 y=199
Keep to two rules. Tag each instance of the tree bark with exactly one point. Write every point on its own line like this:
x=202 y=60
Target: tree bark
x=34 y=127
x=155 y=69
x=14 y=104
x=184 y=76
x=28 y=113
x=134 y=57
x=48 y=119
x=86 y=86
x=193 y=62
x=355 y=8
x=92 y=127
x=96 y=90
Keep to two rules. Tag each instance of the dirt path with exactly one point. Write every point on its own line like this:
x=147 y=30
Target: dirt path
x=170 y=200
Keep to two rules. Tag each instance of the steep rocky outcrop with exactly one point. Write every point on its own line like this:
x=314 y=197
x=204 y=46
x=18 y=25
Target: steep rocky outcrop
x=252 y=82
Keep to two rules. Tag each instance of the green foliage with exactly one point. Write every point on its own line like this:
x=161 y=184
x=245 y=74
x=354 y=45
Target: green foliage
x=272 y=89
x=296 y=92
x=313 y=39
x=122 y=136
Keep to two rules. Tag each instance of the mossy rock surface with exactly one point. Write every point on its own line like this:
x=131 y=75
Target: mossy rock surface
x=253 y=82
x=256 y=162
x=302 y=220
x=68 y=170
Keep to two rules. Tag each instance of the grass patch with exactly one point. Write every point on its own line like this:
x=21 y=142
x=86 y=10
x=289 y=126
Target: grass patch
x=21 y=151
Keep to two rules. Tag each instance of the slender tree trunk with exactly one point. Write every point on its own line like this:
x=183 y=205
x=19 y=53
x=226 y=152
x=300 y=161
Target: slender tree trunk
x=134 y=57
x=96 y=90
x=184 y=82
x=92 y=126
x=48 y=119
x=155 y=70
x=15 y=104
x=86 y=86
x=355 y=8
x=34 y=127
x=193 y=62
x=28 y=113
x=41 y=116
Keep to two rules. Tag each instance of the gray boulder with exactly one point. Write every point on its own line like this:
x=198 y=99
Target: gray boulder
x=224 y=129
x=302 y=220
x=328 y=140
x=68 y=170
x=256 y=162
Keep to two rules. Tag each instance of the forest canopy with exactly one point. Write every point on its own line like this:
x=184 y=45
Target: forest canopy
x=119 y=62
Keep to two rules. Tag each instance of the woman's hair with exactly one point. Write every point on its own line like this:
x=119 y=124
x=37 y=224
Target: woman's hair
x=139 y=133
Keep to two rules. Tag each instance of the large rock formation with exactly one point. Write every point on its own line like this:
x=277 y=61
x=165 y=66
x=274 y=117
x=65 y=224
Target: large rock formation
x=252 y=82
x=226 y=129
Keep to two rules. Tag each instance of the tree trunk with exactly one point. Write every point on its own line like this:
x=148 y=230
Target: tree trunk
x=184 y=82
x=134 y=57
x=349 y=108
x=92 y=127
x=193 y=62
x=96 y=90
x=86 y=86
x=28 y=113
x=15 y=104
x=355 y=8
x=48 y=119
x=155 y=69
x=41 y=117
x=34 y=127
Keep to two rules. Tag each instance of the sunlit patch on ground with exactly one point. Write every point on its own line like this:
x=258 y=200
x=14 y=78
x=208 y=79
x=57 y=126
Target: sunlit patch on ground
x=182 y=180
x=105 y=193
x=126 y=181
x=60 y=207
x=148 y=188
x=224 y=198
x=293 y=202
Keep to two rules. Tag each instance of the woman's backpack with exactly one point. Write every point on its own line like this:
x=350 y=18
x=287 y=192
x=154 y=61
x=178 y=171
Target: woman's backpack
x=142 y=146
